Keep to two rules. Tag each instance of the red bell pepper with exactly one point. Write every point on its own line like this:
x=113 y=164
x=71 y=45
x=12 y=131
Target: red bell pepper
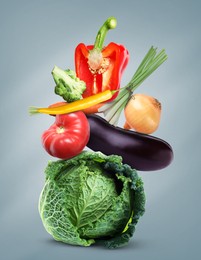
x=101 y=67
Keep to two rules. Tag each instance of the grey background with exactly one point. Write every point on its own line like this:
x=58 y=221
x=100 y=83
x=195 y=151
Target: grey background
x=35 y=36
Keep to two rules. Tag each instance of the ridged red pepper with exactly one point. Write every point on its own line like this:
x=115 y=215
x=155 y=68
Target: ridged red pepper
x=101 y=67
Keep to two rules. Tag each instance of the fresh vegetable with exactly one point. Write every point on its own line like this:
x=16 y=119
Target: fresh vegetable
x=78 y=105
x=149 y=64
x=68 y=136
x=90 y=110
x=91 y=198
x=101 y=67
x=68 y=85
x=142 y=152
x=143 y=113
x=97 y=196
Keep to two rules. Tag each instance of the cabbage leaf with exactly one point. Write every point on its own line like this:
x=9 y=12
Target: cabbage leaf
x=91 y=198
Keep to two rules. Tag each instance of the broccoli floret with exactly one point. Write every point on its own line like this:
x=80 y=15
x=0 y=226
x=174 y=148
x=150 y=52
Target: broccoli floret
x=68 y=85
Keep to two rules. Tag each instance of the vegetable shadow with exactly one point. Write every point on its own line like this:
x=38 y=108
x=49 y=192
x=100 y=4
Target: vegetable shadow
x=134 y=244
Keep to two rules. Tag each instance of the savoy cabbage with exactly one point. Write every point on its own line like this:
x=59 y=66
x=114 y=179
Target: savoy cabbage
x=91 y=198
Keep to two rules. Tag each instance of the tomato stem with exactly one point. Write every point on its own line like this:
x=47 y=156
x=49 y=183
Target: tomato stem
x=60 y=130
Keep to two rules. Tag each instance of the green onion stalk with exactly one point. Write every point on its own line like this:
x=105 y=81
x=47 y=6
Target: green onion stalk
x=149 y=64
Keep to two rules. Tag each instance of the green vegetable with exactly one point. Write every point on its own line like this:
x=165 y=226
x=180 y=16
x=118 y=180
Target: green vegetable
x=68 y=85
x=91 y=198
x=149 y=64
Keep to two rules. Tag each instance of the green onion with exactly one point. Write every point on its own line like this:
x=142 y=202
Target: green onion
x=149 y=64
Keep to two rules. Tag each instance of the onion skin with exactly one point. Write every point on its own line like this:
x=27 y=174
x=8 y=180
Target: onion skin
x=140 y=151
x=142 y=114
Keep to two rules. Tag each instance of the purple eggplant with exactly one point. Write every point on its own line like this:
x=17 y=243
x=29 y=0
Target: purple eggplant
x=140 y=151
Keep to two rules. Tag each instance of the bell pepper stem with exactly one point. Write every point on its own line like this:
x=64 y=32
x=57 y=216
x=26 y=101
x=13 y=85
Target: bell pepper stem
x=110 y=23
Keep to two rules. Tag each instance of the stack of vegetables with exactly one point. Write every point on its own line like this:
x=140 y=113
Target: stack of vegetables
x=95 y=195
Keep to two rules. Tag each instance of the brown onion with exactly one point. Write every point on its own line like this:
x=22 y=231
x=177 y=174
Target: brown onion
x=142 y=114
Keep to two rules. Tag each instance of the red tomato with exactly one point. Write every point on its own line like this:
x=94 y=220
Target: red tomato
x=68 y=136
